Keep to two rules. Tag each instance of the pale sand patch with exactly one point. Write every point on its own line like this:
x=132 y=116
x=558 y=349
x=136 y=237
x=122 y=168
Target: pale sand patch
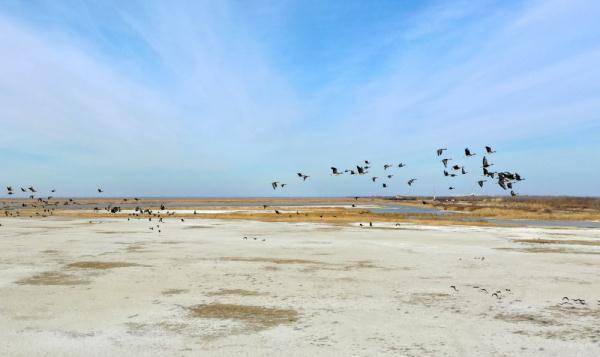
x=309 y=289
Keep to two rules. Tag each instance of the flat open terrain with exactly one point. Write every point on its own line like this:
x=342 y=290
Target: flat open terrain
x=109 y=286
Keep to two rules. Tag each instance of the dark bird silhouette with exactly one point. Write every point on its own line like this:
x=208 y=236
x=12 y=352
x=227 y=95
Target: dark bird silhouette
x=32 y=189
x=480 y=182
x=453 y=288
x=518 y=177
x=462 y=170
x=486 y=164
x=401 y=165
x=334 y=171
x=367 y=162
x=468 y=153
x=489 y=150
x=446 y=173
x=360 y=170
x=411 y=181
x=23 y=190
x=502 y=183
x=374 y=178
x=512 y=193
x=455 y=167
x=390 y=176
x=445 y=162
x=100 y=190
x=440 y=151
x=451 y=188
x=384 y=185
x=274 y=184
x=302 y=176
x=386 y=166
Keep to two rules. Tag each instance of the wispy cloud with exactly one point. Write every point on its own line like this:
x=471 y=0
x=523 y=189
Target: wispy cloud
x=191 y=98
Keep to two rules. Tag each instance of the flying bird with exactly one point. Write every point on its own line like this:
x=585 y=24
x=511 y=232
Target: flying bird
x=274 y=184
x=489 y=150
x=302 y=176
x=374 y=178
x=440 y=151
x=390 y=176
x=334 y=171
x=386 y=166
x=456 y=167
x=480 y=182
x=411 y=181
x=445 y=162
x=384 y=185
x=468 y=153
x=486 y=164
x=401 y=165
x=100 y=190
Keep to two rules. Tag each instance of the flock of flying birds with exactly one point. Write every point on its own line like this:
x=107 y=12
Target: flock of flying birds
x=504 y=179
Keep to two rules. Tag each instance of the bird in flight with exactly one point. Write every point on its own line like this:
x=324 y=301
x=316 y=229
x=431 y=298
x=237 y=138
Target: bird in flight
x=302 y=176
x=489 y=150
x=455 y=167
x=468 y=153
x=361 y=170
x=334 y=171
x=445 y=162
x=485 y=163
x=100 y=190
x=463 y=171
x=411 y=181
x=384 y=185
x=401 y=165
x=480 y=182
x=390 y=176
x=374 y=178
x=274 y=184
x=386 y=166
x=32 y=189
x=440 y=151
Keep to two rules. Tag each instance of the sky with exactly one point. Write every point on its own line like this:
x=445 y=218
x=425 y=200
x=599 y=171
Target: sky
x=220 y=98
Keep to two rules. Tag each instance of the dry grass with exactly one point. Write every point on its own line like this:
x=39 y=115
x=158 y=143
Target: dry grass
x=170 y=292
x=52 y=278
x=558 y=250
x=258 y=317
x=558 y=241
x=527 y=318
x=101 y=265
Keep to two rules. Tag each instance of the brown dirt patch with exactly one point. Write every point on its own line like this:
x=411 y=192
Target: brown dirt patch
x=547 y=250
x=527 y=318
x=258 y=317
x=52 y=278
x=101 y=265
x=558 y=241
x=174 y=291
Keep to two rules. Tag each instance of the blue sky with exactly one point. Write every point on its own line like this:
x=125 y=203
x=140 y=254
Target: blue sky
x=219 y=98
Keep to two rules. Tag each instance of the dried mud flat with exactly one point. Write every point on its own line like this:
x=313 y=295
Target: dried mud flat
x=115 y=287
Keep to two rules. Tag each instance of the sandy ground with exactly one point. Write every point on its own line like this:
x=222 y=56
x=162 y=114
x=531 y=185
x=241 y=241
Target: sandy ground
x=115 y=287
